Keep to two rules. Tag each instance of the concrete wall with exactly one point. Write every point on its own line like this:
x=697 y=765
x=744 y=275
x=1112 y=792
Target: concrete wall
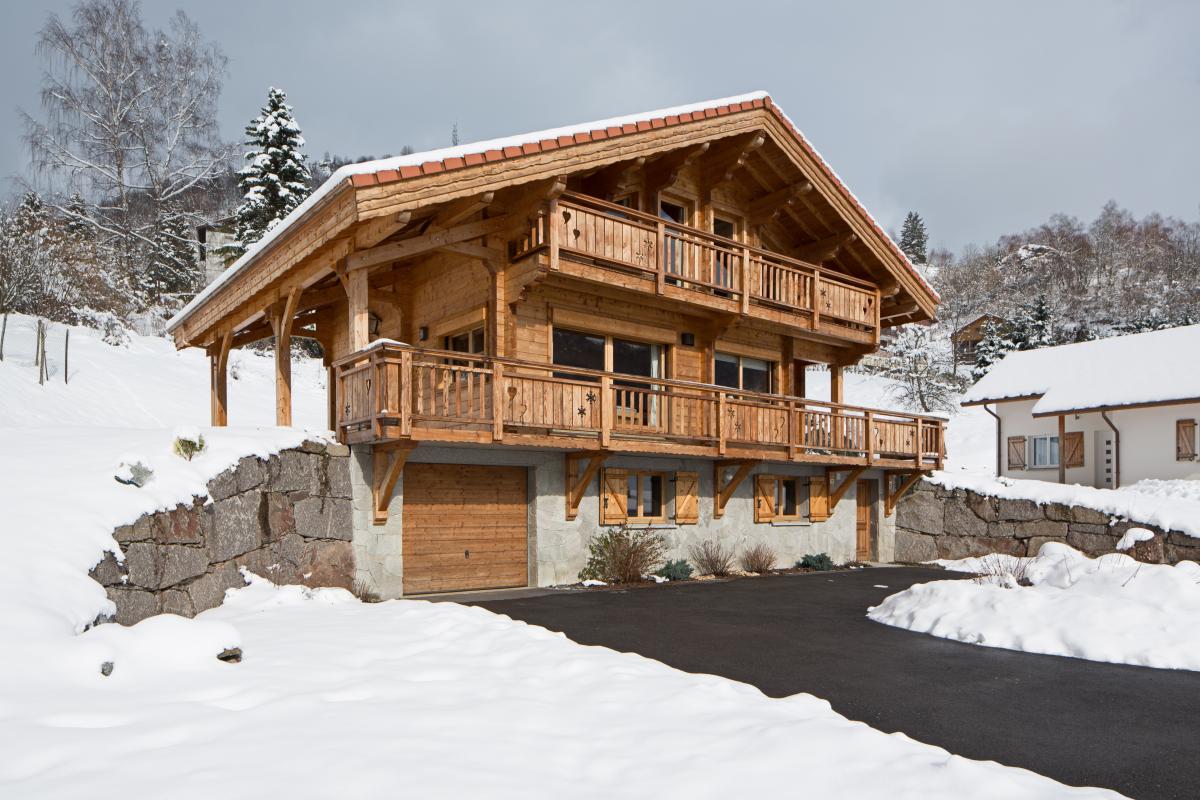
x=558 y=546
x=1147 y=443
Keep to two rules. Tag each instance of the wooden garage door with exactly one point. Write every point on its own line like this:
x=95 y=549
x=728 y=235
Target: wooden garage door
x=465 y=527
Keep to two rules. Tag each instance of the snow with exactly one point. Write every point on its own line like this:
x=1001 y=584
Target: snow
x=1133 y=536
x=1110 y=608
x=394 y=694
x=1165 y=504
x=379 y=695
x=1117 y=371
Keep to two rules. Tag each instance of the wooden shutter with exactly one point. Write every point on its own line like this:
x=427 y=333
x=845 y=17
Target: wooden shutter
x=1016 y=452
x=1072 y=449
x=1185 y=439
x=818 y=499
x=764 y=498
x=615 y=485
x=687 y=499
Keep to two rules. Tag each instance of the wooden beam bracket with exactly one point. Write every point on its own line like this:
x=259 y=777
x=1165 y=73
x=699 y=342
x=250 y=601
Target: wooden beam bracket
x=723 y=490
x=388 y=463
x=892 y=496
x=578 y=479
x=838 y=492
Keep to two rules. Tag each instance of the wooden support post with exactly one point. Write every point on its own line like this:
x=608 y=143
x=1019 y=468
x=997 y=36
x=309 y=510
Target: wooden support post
x=721 y=424
x=218 y=384
x=870 y=434
x=406 y=391
x=607 y=410
x=578 y=480
x=836 y=384
x=723 y=491
x=920 y=448
x=746 y=280
x=892 y=497
x=816 y=300
x=552 y=232
x=660 y=284
x=282 y=317
x=791 y=430
x=331 y=398
x=1062 y=436
x=497 y=401
x=388 y=462
x=497 y=308
x=838 y=492
x=359 y=314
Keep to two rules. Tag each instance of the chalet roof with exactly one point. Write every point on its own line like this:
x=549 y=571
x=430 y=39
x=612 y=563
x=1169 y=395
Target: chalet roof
x=399 y=168
x=1155 y=368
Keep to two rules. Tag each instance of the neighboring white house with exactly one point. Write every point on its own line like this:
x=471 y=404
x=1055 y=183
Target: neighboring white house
x=1102 y=413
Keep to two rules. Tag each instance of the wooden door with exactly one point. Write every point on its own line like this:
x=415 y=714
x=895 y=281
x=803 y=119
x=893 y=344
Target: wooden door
x=465 y=527
x=865 y=496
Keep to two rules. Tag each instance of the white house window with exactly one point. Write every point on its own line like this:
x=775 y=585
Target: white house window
x=1044 y=450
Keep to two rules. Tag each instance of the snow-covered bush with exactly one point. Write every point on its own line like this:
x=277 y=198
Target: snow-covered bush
x=621 y=555
x=1002 y=570
x=712 y=558
x=188 y=443
x=132 y=471
x=759 y=558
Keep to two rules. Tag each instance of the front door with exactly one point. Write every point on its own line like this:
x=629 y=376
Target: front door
x=865 y=494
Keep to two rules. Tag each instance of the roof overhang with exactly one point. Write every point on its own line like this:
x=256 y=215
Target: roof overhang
x=1183 y=401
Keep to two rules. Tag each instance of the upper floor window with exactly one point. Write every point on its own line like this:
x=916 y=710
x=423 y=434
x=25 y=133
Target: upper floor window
x=672 y=212
x=743 y=372
x=607 y=353
x=471 y=341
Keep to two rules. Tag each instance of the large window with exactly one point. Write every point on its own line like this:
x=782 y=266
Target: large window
x=743 y=372
x=608 y=354
x=1044 y=450
x=582 y=350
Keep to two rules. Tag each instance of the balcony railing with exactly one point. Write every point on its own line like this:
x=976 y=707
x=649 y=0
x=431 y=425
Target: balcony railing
x=582 y=227
x=391 y=391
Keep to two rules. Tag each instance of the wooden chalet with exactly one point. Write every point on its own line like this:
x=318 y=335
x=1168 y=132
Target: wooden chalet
x=651 y=286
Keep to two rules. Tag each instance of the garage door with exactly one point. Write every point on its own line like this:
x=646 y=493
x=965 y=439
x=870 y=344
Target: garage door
x=465 y=527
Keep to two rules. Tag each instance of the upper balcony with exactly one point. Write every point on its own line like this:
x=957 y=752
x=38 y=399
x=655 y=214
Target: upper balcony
x=393 y=392
x=642 y=252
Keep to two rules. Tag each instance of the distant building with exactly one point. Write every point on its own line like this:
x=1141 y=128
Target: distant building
x=968 y=337
x=212 y=238
x=1101 y=413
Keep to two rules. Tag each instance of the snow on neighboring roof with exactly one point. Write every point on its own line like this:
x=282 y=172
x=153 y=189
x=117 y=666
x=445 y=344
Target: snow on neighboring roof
x=386 y=170
x=1153 y=367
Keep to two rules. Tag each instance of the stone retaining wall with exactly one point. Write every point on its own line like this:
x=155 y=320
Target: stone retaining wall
x=935 y=522
x=287 y=518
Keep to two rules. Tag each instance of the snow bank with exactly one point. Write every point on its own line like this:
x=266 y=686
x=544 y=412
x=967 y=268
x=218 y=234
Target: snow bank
x=1110 y=608
x=1166 y=504
x=394 y=694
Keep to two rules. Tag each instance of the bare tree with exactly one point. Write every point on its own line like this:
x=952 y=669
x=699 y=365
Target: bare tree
x=129 y=126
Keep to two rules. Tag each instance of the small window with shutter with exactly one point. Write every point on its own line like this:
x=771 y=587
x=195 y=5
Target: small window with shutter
x=1185 y=440
x=1016 y=452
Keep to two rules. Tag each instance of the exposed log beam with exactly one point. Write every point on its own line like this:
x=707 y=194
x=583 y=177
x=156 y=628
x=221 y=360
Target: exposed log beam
x=535 y=194
x=722 y=164
x=609 y=180
x=388 y=463
x=663 y=172
x=826 y=248
x=374 y=231
x=767 y=208
x=899 y=310
x=489 y=254
x=578 y=479
x=426 y=243
x=458 y=211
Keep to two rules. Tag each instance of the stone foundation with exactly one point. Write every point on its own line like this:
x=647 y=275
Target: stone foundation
x=287 y=518
x=935 y=522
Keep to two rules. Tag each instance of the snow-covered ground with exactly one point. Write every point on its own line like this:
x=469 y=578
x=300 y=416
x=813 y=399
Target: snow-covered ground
x=1167 y=504
x=334 y=697
x=1110 y=608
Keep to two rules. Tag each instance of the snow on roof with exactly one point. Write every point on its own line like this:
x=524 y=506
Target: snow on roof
x=1153 y=367
x=510 y=146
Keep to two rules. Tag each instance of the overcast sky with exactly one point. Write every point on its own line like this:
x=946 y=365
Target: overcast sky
x=984 y=117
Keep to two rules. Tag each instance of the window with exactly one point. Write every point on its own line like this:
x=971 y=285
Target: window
x=781 y=498
x=644 y=496
x=672 y=212
x=1044 y=450
x=608 y=354
x=582 y=350
x=465 y=342
x=743 y=372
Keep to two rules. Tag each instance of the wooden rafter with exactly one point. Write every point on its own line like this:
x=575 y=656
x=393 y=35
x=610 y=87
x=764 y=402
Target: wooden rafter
x=824 y=249
x=723 y=490
x=724 y=163
x=453 y=213
x=662 y=172
x=892 y=496
x=388 y=463
x=479 y=251
x=836 y=493
x=766 y=208
x=609 y=180
x=578 y=479
x=427 y=242
x=374 y=231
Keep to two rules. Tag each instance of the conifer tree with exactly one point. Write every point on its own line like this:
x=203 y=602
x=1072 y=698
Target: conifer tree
x=275 y=179
x=990 y=349
x=1033 y=328
x=914 y=241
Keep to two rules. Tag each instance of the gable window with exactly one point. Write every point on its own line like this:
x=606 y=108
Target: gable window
x=1044 y=450
x=743 y=372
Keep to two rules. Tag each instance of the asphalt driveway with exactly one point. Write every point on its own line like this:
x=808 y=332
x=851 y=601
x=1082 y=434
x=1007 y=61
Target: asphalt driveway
x=1132 y=729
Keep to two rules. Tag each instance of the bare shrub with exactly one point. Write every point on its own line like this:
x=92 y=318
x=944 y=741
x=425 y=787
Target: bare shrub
x=621 y=555
x=1004 y=570
x=364 y=593
x=759 y=558
x=712 y=558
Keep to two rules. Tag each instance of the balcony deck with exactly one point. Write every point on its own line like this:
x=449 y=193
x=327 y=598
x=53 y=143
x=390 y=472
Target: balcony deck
x=393 y=392
x=640 y=251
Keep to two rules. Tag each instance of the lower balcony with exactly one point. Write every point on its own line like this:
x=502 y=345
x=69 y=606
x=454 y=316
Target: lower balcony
x=393 y=392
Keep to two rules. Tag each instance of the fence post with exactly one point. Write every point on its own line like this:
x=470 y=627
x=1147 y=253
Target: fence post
x=406 y=395
x=607 y=410
x=816 y=297
x=745 y=280
x=497 y=401
x=870 y=438
x=66 y=353
x=920 y=448
x=660 y=285
x=721 y=423
x=3 y=331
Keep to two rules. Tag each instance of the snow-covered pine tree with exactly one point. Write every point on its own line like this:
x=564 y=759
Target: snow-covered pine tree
x=275 y=179
x=914 y=241
x=1032 y=327
x=990 y=349
x=172 y=268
